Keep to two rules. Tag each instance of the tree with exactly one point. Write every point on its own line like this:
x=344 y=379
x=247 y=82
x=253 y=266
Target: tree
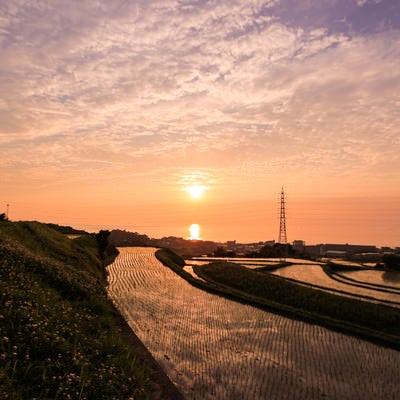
x=102 y=241
x=391 y=261
x=277 y=250
x=221 y=252
x=3 y=217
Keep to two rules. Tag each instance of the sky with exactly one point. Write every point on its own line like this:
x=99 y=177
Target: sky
x=152 y=115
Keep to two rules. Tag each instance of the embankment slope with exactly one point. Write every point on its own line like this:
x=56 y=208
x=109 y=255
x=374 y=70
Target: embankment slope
x=60 y=335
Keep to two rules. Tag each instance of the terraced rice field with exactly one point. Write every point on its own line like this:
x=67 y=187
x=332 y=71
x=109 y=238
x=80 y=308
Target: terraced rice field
x=214 y=348
x=384 y=278
x=315 y=275
x=379 y=286
x=251 y=263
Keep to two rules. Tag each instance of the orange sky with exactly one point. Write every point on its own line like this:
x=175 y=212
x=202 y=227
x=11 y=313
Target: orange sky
x=109 y=111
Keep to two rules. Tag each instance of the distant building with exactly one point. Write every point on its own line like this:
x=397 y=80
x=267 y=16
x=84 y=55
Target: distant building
x=269 y=243
x=335 y=254
x=314 y=250
x=231 y=244
x=246 y=248
x=348 y=249
x=340 y=250
x=367 y=257
x=299 y=245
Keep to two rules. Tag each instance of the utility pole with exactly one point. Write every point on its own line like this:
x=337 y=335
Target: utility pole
x=7 y=214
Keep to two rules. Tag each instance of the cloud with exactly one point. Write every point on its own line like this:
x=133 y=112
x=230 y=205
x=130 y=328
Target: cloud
x=126 y=85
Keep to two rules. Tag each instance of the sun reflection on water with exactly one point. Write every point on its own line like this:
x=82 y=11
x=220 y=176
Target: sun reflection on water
x=194 y=230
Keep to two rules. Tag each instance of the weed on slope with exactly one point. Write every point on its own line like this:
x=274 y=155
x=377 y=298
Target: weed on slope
x=57 y=337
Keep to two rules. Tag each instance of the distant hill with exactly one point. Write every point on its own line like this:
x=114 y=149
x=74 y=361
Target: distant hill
x=124 y=238
x=183 y=247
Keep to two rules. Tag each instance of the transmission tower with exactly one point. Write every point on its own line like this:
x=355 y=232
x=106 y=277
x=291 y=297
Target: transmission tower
x=282 y=220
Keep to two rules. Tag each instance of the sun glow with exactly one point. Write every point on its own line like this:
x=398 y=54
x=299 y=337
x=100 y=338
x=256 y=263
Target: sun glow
x=195 y=191
x=196 y=183
x=194 y=230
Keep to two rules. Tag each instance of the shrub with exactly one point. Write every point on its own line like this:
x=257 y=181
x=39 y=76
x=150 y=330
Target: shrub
x=391 y=261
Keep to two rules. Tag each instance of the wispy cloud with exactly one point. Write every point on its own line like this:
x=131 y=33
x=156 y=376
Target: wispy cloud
x=269 y=84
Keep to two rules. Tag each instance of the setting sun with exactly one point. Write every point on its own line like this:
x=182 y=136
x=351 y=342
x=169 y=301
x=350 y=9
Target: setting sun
x=194 y=230
x=195 y=183
x=195 y=191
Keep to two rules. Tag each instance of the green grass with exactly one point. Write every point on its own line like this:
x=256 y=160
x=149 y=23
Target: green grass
x=58 y=338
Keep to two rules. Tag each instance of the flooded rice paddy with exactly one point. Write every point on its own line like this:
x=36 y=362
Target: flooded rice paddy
x=214 y=348
x=369 y=285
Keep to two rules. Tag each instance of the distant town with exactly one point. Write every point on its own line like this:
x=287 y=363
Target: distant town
x=270 y=248
x=330 y=250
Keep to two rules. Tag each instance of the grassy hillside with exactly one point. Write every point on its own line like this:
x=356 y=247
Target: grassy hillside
x=57 y=328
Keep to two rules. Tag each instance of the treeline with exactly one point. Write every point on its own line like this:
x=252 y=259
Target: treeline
x=390 y=261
